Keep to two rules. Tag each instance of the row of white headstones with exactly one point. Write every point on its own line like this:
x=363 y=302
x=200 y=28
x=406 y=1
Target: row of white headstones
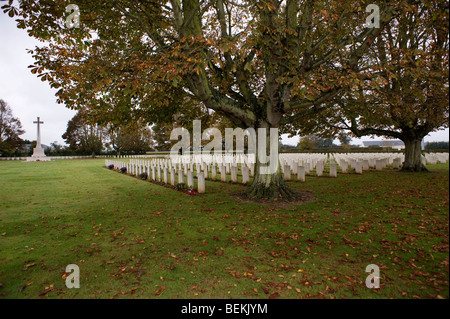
x=227 y=169
x=173 y=173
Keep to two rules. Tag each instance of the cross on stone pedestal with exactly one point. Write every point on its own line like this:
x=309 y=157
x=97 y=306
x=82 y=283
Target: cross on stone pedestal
x=38 y=151
x=38 y=139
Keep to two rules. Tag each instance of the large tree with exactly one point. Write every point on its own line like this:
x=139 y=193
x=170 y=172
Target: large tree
x=10 y=131
x=161 y=135
x=407 y=96
x=84 y=137
x=132 y=138
x=344 y=139
x=261 y=64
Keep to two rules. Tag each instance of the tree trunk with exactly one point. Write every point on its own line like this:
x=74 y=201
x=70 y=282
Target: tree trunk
x=413 y=156
x=269 y=185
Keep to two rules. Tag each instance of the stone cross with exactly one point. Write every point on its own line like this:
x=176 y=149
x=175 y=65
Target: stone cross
x=38 y=140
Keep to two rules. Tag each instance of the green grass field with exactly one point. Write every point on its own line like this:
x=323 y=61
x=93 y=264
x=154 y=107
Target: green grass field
x=134 y=239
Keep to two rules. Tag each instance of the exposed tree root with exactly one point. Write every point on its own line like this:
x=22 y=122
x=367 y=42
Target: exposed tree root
x=259 y=191
x=414 y=169
x=298 y=198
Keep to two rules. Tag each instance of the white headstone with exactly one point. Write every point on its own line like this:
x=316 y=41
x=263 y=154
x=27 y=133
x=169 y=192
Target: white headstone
x=358 y=167
x=379 y=165
x=165 y=173
x=223 y=173
x=319 y=168
x=307 y=168
x=366 y=165
x=234 y=171
x=287 y=172
x=172 y=176
x=190 y=178
x=245 y=174
x=153 y=173
x=180 y=176
x=213 y=171
x=344 y=166
x=301 y=173
x=333 y=170
x=200 y=183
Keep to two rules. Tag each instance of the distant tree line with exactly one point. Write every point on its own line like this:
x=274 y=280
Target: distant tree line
x=312 y=142
x=436 y=146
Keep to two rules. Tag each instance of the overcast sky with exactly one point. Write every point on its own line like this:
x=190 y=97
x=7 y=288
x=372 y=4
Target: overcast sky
x=26 y=94
x=29 y=97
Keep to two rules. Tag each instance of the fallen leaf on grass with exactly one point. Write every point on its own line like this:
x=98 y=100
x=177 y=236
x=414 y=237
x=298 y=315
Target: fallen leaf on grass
x=160 y=290
x=47 y=290
x=274 y=295
x=133 y=290
x=24 y=286
x=29 y=266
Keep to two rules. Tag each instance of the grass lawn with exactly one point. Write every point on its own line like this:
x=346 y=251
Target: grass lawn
x=134 y=239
